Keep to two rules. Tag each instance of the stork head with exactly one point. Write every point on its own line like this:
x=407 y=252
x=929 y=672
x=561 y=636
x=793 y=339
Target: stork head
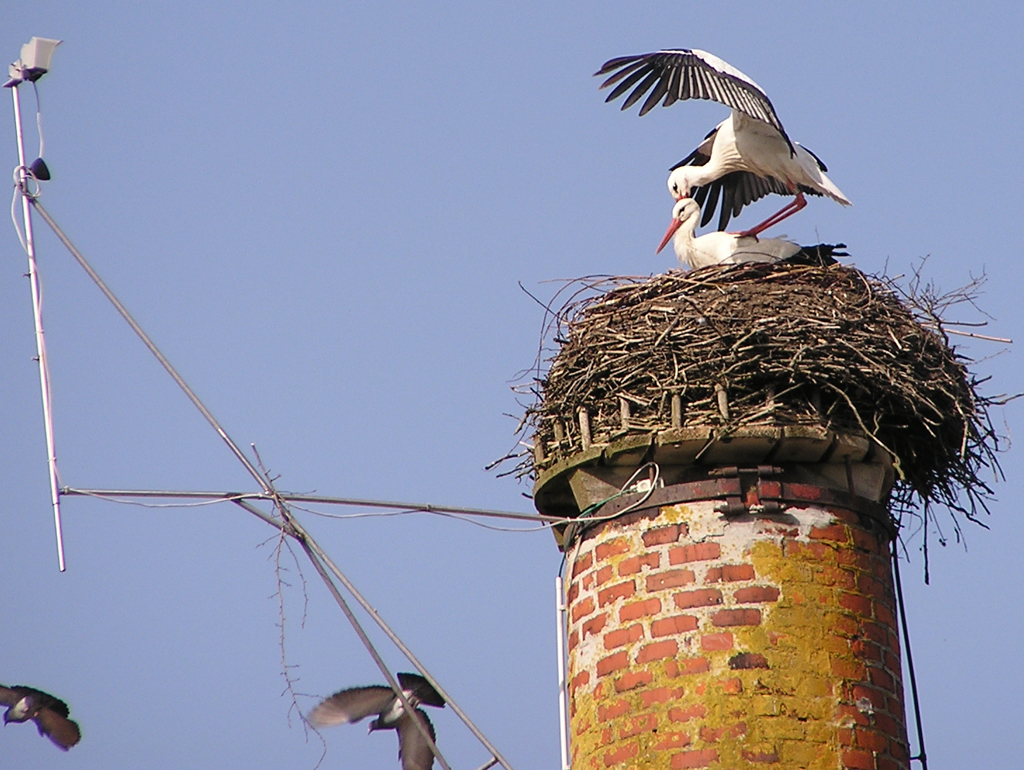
x=680 y=183
x=685 y=212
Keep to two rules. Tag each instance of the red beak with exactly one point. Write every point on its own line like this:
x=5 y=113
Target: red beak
x=668 y=235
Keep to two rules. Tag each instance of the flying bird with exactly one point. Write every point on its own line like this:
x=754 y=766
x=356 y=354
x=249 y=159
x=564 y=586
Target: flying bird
x=50 y=714
x=720 y=248
x=353 y=704
x=747 y=156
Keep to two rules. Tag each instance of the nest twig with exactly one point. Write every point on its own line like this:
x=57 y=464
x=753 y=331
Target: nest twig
x=786 y=345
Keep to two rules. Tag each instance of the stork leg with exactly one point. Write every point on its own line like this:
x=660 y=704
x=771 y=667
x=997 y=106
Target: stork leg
x=786 y=211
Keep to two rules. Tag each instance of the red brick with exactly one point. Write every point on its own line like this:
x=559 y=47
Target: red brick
x=611 y=548
x=747 y=660
x=836 y=533
x=606 y=712
x=669 y=579
x=660 y=695
x=871 y=740
x=876 y=633
x=621 y=754
x=730 y=573
x=634 y=564
x=677 y=624
x=672 y=741
x=607 y=736
x=694 y=552
x=851 y=715
x=865 y=540
x=808 y=551
x=595 y=624
x=639 y=609
x=583 y=609
x=754 y=594
x=658 y=651
x=856 y=603
x=704 y=597
x=697 y=758
x=855 y=759
x=836 y=576
x=732 y=686
x=675 y=668
x=637 y=725
x=612 y=663
x=686 y=713
x=617 y=591
x=849 y=517
x=633 y=680
x=879 y=678
x=742 y=617
x=574 y=640
x=866 y=650
x=715 y=734
x=663 y=535
x=573 y=593
x=716 y=641
x=884 y=763
x=587 y=581
x=848 y=669
x=850 y=557
x=580 y=679
x=845 y=736
x=765 y=757
x=899 y=751
x=884 y=614
x=621 y=636
x=582 y=564
x=877 y=697
x=603 y=575
x=867 y=584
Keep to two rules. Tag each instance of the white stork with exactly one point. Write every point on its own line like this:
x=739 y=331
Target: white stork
x=745 y=157
x=718 y=248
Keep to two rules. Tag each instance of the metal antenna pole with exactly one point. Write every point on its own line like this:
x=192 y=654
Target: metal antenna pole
x=560 y=608
x=37 y=314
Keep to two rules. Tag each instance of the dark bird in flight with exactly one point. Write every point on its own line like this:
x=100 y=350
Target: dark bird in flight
x=353 y=704
x=50 y=714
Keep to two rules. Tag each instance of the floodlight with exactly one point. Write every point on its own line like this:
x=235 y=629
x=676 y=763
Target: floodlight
x=34 y=61
x=35 y=57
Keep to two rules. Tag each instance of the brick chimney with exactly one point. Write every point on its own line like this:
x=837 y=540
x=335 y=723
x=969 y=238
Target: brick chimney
x=743 y=619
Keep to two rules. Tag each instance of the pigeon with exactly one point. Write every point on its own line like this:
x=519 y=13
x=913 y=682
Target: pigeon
x=50 y=714
x=353 y=704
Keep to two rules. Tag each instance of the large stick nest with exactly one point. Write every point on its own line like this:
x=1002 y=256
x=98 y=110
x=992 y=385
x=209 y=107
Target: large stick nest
x=777 y=345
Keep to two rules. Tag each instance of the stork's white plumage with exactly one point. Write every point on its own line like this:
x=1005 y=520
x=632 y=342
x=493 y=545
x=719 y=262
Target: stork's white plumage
x=718 y=248
x=747 y=156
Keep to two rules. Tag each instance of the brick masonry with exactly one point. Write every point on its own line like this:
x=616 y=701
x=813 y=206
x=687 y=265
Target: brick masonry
x=700 y=642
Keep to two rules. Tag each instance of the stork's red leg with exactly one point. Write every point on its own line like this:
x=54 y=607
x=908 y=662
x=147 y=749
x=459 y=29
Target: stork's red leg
x=786 y=211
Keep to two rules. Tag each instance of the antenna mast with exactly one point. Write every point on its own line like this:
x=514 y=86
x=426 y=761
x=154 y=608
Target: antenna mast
x=33 y=64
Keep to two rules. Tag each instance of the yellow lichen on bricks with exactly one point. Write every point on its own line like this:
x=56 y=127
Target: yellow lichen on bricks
x=732 y=643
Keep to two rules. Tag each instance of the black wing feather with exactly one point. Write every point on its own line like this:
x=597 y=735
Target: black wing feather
x=686 y=74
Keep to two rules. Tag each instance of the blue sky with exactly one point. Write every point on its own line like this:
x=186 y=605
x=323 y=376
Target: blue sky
x=321 y=213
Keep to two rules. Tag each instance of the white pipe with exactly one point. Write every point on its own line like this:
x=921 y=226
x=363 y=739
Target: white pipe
x=563 y=695
x=37 y=313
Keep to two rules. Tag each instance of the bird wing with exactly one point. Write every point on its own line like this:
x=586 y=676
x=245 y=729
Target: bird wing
x=421 y=689
x=674 y=75
x=57 y=727
x=9 y=696
x=413 y=751
x=822 y=255
x=351 y=705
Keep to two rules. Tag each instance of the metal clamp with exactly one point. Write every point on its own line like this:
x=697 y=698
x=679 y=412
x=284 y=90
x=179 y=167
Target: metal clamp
x=757 y=495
